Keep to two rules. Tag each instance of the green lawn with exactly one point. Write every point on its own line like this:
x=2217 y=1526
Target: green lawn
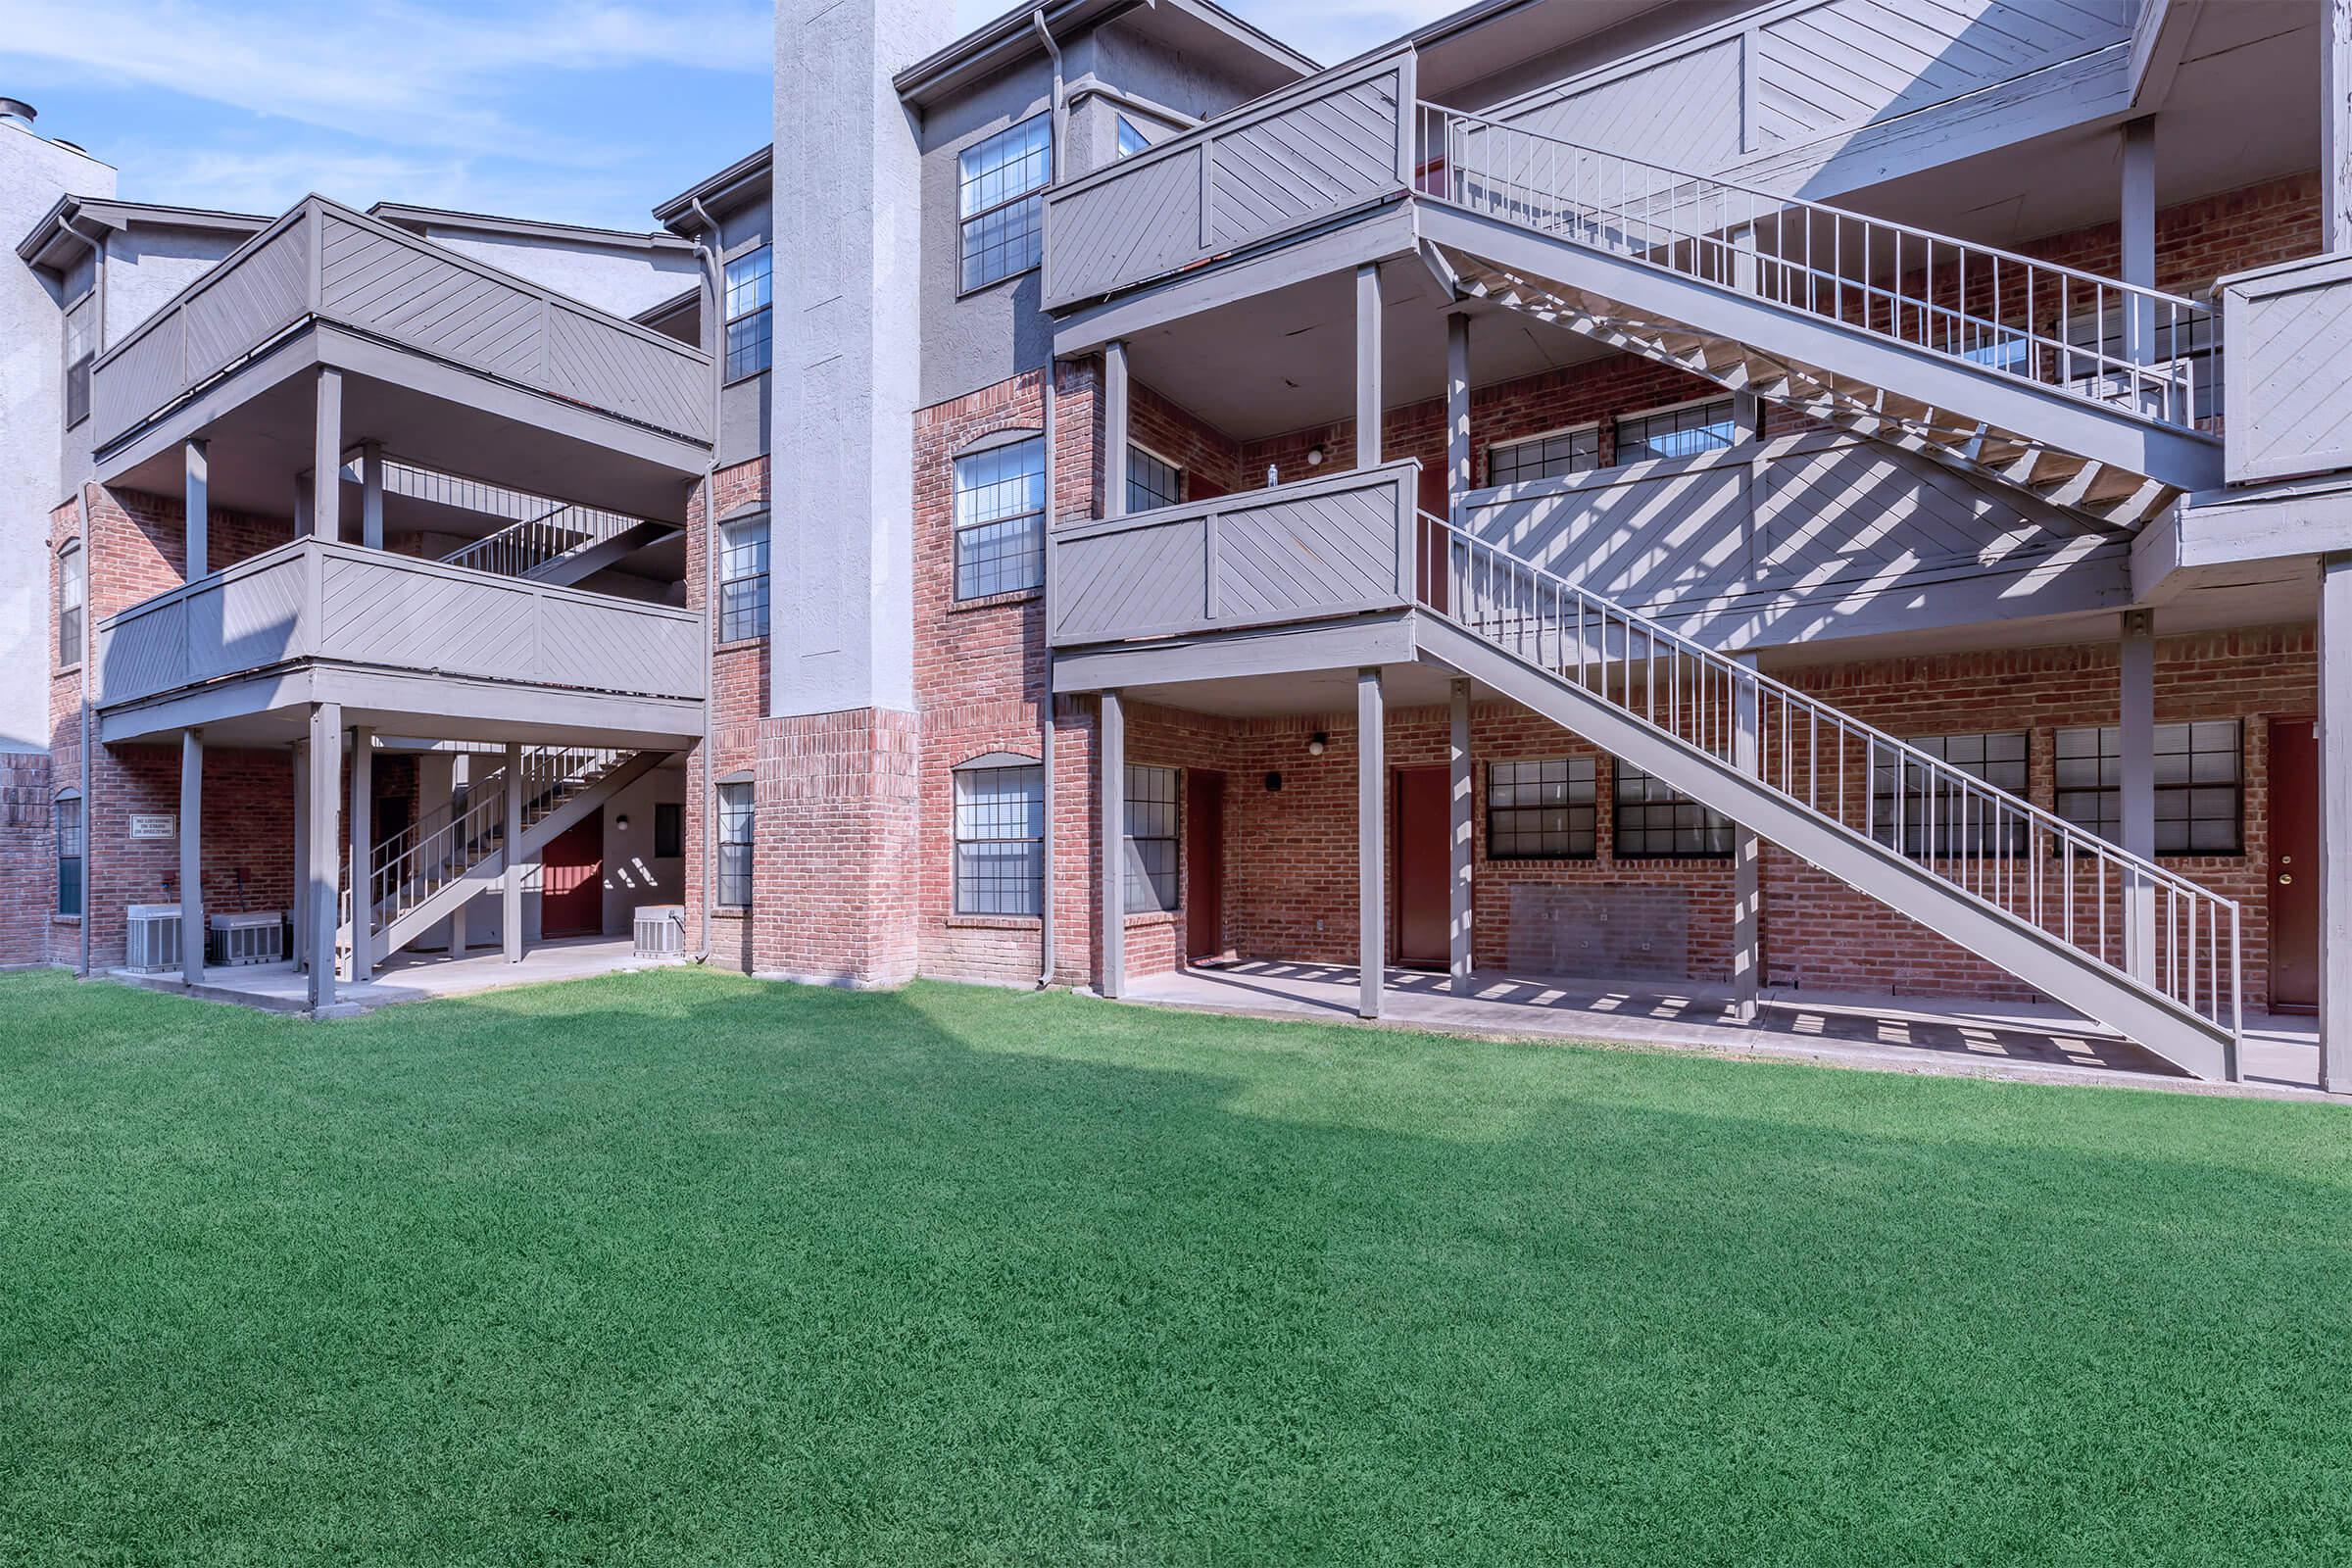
x=680 y=1269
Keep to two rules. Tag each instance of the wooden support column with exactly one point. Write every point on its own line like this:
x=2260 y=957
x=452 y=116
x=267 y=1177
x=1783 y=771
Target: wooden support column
x=2335 y=821
x=1113 y=787
x=1115 y=430
x=327 y=456
x=1457 y=414
x=362 y=852
x=1367 y=364
x=301 y=852
x=1371 y=839
x=511 y=916
x=371 y=494
x=2336 y=130
x=2138 y=237
x=326 y=872
x=458 y=917
x=2135 y=706
x=197 y=462
x=1461 y=831
x=1748 y=861
x=191 y=857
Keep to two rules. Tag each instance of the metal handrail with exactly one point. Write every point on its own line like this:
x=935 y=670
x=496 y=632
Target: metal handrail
x=1826 y=264
x=1983 y=842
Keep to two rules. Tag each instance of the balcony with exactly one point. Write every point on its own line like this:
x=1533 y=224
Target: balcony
x=400 y=638
x=443 y=358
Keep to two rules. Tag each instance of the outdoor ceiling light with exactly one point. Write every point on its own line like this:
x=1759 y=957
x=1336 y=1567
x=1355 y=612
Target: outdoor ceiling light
x=1316 y=742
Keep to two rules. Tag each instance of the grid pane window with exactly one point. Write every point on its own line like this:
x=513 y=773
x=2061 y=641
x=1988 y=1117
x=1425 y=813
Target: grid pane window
x=1963 y=824
x=743 y=579
x=81 y=346
x=1151 y=483
x=735 y=845
x=1000 y=840
x=1000 y=520
x=68 y=812
x=1652 y=822
x=1131 y=140
x=1546 y=456
x=1003 y=217
x=68 y=605
x=1542 y=809
x=1679 y=433
x=2199 y=785
x=749 y=313
x=1151 y=839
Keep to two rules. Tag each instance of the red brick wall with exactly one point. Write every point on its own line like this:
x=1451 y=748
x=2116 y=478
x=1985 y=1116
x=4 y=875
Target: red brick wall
x=28 y=868
x=837 y=832
x=739 y=702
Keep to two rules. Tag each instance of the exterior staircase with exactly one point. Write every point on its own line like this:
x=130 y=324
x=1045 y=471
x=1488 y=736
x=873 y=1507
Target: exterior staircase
x=430 y=869
x=2114 y=936
x=559 y=546
x=2087 y=392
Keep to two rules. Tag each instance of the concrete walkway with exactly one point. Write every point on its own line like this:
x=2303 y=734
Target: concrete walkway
x=408 y=977
x=1907 y=1034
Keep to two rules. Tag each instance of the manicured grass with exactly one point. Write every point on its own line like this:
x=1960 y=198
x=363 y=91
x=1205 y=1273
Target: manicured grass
x=679 y=1268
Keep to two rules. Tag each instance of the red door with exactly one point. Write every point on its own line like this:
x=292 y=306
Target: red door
x=1424 y=912
x=2294 y=897
x=571 y=880
x=1204 y=864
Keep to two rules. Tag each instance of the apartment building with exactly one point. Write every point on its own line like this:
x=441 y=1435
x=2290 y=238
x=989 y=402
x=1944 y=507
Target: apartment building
x=1817 y=496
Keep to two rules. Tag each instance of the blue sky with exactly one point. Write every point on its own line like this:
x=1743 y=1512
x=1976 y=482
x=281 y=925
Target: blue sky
x=589 y=112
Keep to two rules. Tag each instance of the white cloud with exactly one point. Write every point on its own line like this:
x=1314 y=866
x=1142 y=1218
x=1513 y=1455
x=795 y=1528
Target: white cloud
x=271 y=182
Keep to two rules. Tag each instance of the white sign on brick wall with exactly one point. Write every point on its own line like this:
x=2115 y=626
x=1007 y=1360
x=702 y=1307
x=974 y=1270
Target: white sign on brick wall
x=153 y=825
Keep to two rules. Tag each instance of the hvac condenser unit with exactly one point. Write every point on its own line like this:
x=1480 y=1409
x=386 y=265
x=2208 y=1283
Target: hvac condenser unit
x=154 y=938
x=661 y=930
x=256 y=936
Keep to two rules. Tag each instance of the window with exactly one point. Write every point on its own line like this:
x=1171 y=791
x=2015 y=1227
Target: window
x=1542 y=809
x=1152 y=482
x=1151 y=839
x=1000 y=839
x=1130 y=139
x=1652 y=822
x=743 y=579
x=81 y=347
x=1000 y=520
x=1682 y=433
x=1961 y=821
x=1004 y=215
x=669 y=830
x=2199 y=785
x=735 y=845
x=68 y=812
x=749 y=293
x=1545 y=457
x=69 y=589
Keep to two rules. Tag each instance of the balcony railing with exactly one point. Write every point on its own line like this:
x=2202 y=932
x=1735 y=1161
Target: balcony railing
x=321 y=262
x=1288 y=161
x=1341 y=546
x=319 y=599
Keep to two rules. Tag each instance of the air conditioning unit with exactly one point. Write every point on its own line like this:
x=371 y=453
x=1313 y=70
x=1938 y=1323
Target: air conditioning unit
x=661 y=930
x=153 y=937
x=255 y=937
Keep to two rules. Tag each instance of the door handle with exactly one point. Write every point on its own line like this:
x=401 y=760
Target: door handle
x=2287 y=881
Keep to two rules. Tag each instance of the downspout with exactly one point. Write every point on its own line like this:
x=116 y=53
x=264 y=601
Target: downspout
x=1044 y=715
x=1037 y=20
x=708 y=256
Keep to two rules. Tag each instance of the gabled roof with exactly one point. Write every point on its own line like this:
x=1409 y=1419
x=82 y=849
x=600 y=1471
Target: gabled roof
x=52 y=244
x=404 y=214
x=719 y=191
x=1011 y=38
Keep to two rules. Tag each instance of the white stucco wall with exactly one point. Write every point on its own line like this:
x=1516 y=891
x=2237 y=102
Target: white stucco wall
x=620 y=281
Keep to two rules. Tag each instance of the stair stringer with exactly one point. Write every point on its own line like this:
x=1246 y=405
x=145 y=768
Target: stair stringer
x=2050 y=966
x=586 y=560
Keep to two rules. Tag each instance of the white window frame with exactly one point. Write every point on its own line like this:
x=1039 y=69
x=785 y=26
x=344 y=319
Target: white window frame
x=737 y=809
x=79 y=859
x=86 y=308
x=1033 y=523
x=966 y=216
x=72 y=597
x=1745 y=426
x=731 y=552
x=1027 y=891
x=731 y=317
x=1139 y=878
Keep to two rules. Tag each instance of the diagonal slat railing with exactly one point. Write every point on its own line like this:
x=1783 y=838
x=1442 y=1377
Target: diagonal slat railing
x=2030 y=864
x=2124 y=347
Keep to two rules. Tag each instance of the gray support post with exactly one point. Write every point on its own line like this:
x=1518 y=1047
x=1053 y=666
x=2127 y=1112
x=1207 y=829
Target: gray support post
x=2336 y=132
x=1457 y=413
x=197 y=460
x=327 y=456
x=191 y=857
x=371 y=494
x=1462 y=913
x=511 y=916
x=302 y=851
x=1115 y=430
x=1367 y=364
x=327 y=748
x=2138 y=235
x=2136 y=703
x=2335 y=820
x=1748 y=861
x=362 y=852
x=1371 y=840
x=305 y=524
x=1113 y=786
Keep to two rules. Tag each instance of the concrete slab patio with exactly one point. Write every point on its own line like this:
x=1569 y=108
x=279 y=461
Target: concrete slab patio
x=1908 y=1034
x=407 y=977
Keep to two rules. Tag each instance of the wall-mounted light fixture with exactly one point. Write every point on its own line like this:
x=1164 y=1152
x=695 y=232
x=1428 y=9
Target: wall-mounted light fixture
x=622 y=822
x=1314 y=457
x=1316 y=743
